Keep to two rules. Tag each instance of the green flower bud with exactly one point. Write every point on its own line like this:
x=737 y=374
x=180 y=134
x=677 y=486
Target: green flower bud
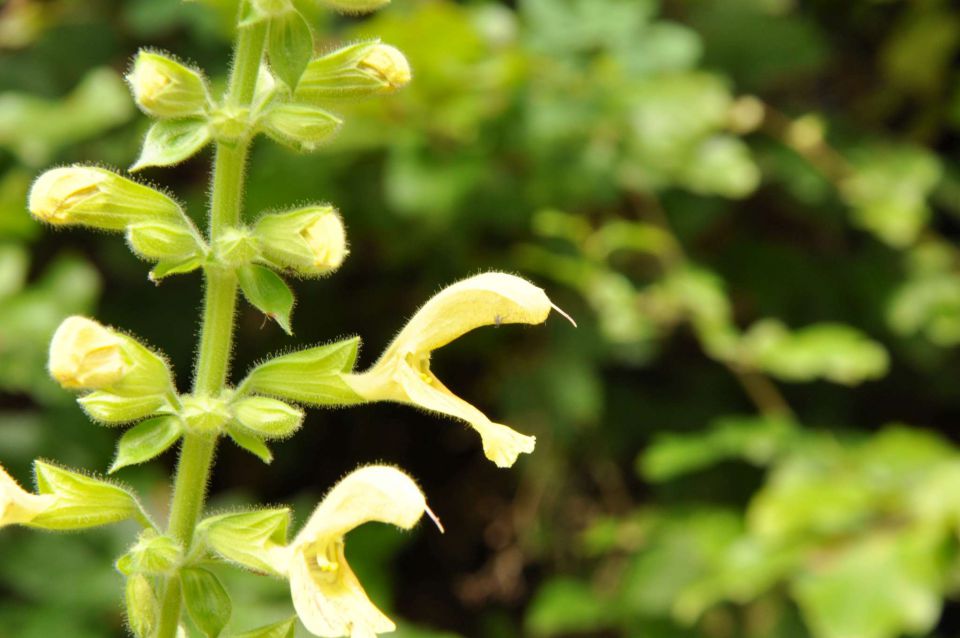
x=355 y=6
x=254 y=539
x=230 y=124
x=95 y=197
x=164 y=240
x=235 y=247
x=80 y=501
x=268 y=418
x=164 y=88
x=204 y=415
x=85 y=355
x=113 y=409
x=143 y=607
x=312 y=240
x=152 y=555
x=300 y=126
x=362 y=69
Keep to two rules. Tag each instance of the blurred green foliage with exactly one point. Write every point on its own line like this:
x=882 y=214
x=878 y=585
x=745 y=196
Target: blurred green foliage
x=750 y=206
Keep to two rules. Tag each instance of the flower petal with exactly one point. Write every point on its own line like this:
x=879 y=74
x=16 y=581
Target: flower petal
x=17 y=506
x=501 y=444
x=333 y=603
x=489 y=299
x=326 y=593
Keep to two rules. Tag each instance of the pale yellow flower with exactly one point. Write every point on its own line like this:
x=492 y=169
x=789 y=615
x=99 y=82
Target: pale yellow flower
x=85 y=354
x=328 y=597
x=389 y=64
x=17 y=506
x=403 y=371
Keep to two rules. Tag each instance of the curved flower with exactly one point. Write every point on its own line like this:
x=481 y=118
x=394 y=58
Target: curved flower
x=326 y=593
x=403 y=371
x=18 y=506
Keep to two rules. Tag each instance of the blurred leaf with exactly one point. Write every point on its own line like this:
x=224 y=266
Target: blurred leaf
x=834 y=352
x=563 y=606
x=757 y=440
x=35 y=128
x=206 y=600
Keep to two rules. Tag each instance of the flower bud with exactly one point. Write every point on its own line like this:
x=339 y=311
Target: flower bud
x=152 y=554
x=111 y=409
x=355 y=6
x=143 y=607
x=88 y=196
x=164 y=240
x=301 y=126
x=362 y=69
x=311 y=241
x=85 y=355
x=164 y=88
x=203 y=414
x=80 y=501
x=235 y=247
x=253 y=539
x=267 y=418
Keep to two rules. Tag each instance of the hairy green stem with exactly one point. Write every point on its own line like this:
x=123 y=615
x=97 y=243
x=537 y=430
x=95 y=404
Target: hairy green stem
x=220 y=300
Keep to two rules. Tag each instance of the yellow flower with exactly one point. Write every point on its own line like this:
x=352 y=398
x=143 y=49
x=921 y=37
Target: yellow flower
x=17 y=506
x=389 y=64
x=84 y=354
x=328 y=597
x=403 y=371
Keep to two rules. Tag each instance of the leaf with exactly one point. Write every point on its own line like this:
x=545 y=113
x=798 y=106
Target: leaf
x=206 y=600
x=309 y=376
x=830 y=351
x=282 y=629
x=267 y=292
x=290 y=46
x=146 y=440
x=170 y=142
x=250 y=443
x=165 y=268
x=754 y=439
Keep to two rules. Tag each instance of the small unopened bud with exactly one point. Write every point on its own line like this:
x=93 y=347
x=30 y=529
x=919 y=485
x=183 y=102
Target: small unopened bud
x=312 y=241
x=268 y=418
x=301 y=126
x=85 y=355
x=355 y=6
x=111 y=409
x=235 y=247
x=80 y=501
x=152 y=554
x=164 y=88
x=203 y=414
x=143 y=606
x=164 y=240
x=96 y=197
x=358 y=70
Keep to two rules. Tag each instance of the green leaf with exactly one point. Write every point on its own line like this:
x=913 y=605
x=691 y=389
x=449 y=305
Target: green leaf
x=830 y=351
x=309 y=376
x=206 y=600
x=754 y=439
x=282 y=629
x=250 y=443
x=170 y=142
x=886 y=584
x=289 y=46
x=165 y=268
x=267 y=292
x=567 y=606
x=146 y=440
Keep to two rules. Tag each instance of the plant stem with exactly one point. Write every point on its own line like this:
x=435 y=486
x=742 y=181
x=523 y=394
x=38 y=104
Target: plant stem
x=220 y=300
